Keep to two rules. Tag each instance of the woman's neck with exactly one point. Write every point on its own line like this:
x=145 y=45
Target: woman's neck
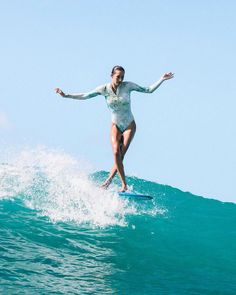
x=114 y=87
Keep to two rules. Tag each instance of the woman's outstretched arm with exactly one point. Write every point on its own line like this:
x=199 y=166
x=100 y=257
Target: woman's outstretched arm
x=153 y=87
x=81 y=96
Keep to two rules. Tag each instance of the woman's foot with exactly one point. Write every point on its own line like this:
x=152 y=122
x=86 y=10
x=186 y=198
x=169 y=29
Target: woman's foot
x=123 y=188
x=106 y=183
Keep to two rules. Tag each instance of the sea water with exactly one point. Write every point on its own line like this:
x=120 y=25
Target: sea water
x=62 y=234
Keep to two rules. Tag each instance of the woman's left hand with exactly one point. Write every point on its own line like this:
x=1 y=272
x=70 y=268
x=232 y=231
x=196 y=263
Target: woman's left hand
x=167 y=76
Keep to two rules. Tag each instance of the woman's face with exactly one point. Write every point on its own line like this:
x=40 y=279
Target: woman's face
x=117 y=77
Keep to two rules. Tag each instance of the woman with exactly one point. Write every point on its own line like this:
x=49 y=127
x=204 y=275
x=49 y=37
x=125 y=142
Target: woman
x=117 y=95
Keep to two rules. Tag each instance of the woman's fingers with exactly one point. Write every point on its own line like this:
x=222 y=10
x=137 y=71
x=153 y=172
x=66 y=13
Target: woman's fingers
x=168 y=75
x=59 y=91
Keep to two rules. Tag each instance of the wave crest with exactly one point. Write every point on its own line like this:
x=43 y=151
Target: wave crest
x=59 y=187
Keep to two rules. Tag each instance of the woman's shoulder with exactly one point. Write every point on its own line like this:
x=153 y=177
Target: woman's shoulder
x=102 y=88
x=128 y=84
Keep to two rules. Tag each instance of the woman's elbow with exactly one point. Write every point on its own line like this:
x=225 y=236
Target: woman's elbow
x=149 y=90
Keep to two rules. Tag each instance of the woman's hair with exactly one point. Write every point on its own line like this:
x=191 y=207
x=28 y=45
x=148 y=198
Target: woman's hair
x=119 y=68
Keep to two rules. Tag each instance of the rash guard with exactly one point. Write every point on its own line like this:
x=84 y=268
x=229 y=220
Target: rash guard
x=119 y=103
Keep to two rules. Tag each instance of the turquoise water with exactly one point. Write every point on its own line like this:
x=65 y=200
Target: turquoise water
x=61 y=234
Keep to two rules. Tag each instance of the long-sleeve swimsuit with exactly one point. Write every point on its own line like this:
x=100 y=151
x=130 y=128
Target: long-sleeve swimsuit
x=119 y=103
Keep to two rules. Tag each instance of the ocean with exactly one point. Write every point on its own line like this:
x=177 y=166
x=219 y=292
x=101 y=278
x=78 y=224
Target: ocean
x=62 y=234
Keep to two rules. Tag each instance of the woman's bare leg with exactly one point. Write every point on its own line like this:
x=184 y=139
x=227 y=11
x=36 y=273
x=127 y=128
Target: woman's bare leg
x=115 y=143
x=127 y=138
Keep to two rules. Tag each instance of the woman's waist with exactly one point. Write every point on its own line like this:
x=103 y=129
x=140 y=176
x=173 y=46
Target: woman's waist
x=127 y=116
x=121 y=111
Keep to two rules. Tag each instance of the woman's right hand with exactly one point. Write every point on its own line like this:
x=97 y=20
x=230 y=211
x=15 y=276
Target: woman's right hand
x=59 y=91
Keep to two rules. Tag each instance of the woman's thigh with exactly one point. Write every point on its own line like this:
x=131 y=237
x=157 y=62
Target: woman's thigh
x=116 y=136
x=128 y=135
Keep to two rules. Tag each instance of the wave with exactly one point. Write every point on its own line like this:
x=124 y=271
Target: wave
x=58 y=187
x=68 y=236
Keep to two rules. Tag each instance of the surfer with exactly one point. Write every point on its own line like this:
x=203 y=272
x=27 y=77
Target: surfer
x=117 y=95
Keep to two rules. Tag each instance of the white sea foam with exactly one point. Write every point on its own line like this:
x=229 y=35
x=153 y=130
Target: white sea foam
x=58 y=186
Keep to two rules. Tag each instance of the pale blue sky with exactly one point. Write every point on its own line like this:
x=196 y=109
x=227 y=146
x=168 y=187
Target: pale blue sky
x=186 y=129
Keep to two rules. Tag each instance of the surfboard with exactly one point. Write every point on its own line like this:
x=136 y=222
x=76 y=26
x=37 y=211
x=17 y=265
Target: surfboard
x=135 y=196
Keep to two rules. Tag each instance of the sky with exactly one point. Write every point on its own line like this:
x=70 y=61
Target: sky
x=186 y=129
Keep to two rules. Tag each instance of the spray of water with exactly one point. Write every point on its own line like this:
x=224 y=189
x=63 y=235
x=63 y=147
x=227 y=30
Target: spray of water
x=59 y=187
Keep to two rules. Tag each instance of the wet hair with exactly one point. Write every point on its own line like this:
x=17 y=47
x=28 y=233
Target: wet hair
x=119 y=68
